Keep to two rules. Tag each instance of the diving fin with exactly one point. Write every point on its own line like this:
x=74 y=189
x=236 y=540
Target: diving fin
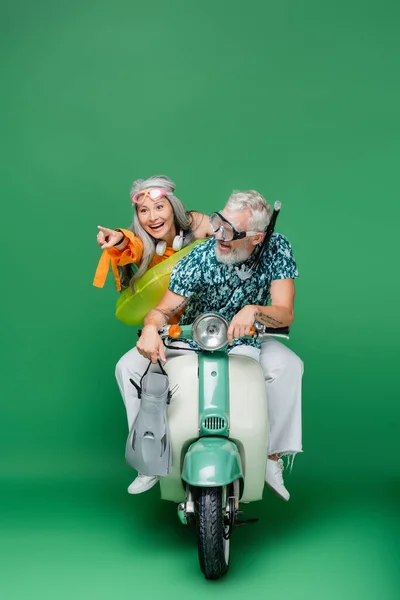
x=148 y=448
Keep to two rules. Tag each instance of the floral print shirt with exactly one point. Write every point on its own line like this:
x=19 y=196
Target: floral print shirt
x=212 y=286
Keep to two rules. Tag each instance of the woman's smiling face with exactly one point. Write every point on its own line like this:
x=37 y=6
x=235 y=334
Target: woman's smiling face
x=157 y=218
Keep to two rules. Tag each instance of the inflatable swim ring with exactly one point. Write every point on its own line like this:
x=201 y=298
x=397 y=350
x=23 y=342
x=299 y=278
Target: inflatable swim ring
x=132 y=307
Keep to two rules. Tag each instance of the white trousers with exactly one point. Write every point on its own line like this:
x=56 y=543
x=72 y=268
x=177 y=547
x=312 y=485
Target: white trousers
x=283 y=372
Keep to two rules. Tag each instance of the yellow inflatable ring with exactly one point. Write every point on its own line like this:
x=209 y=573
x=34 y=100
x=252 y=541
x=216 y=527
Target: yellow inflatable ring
x=132 y=307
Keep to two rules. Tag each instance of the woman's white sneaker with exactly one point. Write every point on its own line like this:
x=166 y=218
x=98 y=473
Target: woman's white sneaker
x=142 y=483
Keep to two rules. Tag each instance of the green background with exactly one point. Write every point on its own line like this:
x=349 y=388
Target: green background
x=299 y=100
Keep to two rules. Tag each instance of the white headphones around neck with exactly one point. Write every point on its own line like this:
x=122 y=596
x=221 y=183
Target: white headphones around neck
x=176 y=244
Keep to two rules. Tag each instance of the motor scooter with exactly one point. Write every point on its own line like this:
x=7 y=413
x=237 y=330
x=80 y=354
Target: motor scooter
x=217 y=420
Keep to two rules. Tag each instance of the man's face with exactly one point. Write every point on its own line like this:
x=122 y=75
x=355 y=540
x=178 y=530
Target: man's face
x=237 y=251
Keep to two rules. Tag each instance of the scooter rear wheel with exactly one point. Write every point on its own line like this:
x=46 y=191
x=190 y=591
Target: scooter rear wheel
x=211 y=527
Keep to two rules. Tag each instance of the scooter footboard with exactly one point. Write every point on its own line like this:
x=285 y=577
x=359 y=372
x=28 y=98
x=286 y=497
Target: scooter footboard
x=212 y=462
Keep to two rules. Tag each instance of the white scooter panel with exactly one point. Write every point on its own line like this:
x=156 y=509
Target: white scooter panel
x=248 y=421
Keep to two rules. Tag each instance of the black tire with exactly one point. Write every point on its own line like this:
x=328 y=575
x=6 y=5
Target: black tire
x=212 y=545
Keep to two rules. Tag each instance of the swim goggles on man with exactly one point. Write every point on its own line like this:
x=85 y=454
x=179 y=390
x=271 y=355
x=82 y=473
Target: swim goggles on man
x=228 y=232
x=153 y=193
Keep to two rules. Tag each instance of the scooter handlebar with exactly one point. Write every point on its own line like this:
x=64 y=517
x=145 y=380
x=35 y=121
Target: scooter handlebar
x=261 y=332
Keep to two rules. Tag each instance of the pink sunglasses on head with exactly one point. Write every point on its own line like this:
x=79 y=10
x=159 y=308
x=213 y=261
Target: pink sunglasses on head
x=153 y=193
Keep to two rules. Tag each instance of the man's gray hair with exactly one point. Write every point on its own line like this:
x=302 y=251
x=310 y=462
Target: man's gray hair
x=253 y=201
x=182 y=220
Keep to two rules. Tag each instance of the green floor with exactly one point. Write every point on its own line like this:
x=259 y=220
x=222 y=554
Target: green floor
x=92 y=540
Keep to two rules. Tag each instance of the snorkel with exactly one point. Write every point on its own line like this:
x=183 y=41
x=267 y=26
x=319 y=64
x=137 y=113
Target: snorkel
x=246 y=273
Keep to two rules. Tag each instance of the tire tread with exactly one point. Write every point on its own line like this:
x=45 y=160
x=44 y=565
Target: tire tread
x=210 y=532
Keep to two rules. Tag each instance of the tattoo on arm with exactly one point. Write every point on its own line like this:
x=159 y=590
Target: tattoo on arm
x=173 y=311
x=267 y=320
x=166 y=314
x=178 y=308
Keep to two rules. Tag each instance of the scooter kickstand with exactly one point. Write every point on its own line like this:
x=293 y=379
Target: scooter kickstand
x=246 y=522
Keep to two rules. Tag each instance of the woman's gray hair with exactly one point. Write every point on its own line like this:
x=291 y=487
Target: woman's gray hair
x=182 y=218
x=260 y=209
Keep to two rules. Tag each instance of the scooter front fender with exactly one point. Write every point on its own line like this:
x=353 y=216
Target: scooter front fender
x=212 y=462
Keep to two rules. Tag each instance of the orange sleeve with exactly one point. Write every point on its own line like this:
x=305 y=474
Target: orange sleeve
x=131 y=254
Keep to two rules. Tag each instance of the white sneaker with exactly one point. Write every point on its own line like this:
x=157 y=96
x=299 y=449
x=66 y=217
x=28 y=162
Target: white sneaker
x=142 y=483
x=273 y=478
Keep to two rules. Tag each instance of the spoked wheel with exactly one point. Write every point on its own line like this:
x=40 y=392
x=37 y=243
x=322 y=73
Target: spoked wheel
x=215 y=516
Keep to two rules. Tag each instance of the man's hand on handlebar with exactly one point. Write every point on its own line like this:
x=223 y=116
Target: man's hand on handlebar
x=242 y=322
x=150 y=344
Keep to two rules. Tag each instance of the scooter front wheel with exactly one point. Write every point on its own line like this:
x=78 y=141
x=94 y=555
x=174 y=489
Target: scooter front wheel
x=212 y=539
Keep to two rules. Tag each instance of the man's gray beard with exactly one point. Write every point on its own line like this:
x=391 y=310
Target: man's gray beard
x=236 y=255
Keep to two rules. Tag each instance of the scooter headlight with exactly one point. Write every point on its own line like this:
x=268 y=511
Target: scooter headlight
x=210 y=331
